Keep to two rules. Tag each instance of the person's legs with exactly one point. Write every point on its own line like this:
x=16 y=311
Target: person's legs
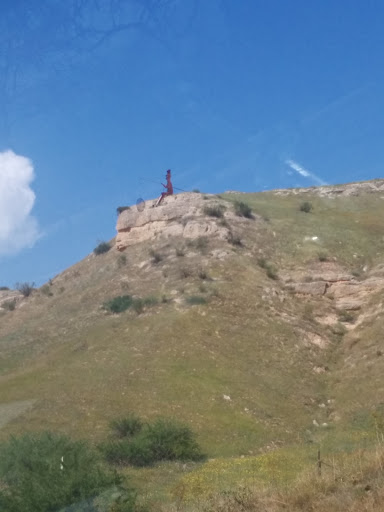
x=161 y=198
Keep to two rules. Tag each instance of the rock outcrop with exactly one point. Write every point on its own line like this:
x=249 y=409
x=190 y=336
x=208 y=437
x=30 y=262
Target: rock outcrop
x=178 y=215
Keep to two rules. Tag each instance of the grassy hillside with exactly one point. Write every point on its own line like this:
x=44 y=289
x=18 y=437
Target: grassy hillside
x=253 y=367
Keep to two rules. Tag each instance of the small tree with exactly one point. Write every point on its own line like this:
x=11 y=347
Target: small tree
x=102 y=248
x=243 y=210
x=306 y=207
x=25 y=288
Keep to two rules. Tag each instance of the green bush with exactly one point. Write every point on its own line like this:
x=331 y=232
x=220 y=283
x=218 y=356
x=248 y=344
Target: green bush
x=45 y=472
x=346 y=316
x=128 y=426
x=3 y=288
x=262 y=262
x=272 y=272
x=124 y=302
x=214 y=211
x=243 y=210
x=195 y=300
x=170 y=440
x=306 y=207
x=269 y=268
x=164 y=439
x=25 y=288
x=338 y=329
x=102 y=248
x=119 y=304
x=116 y=452
x=196 y=191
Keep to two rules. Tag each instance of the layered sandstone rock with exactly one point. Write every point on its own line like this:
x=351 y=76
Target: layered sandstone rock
x=178 y=215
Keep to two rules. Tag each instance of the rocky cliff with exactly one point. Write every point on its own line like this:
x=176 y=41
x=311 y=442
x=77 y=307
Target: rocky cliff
x=178 y=215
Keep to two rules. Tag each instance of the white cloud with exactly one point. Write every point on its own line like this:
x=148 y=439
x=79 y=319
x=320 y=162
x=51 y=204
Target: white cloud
x=18 y=228
x=304 y=172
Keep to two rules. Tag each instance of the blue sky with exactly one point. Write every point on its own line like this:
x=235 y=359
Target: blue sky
x=247 y=95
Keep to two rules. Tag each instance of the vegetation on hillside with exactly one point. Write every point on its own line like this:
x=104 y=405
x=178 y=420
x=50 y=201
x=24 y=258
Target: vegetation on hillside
x=264 y=374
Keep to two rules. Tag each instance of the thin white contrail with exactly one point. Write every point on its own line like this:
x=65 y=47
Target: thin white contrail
x=304 y=172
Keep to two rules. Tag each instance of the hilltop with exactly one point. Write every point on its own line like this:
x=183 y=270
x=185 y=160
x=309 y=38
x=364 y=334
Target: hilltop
x=261 y=329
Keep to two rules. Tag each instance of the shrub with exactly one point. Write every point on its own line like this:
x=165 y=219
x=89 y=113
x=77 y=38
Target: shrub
x=121 y=209
x=46 y=290
x=118 y=304
x=214 y=211
x=195 y=300
x=243 y=210
x=164 y=439
x=121 y=260
x=9 y=305
x=156 y=257
x=306 y=207
x=270 y=269
x=128 y=426
x=196 y=191
x=25 y=288
x=339 y=329
x=124 y=302
x=43 y=472
x=138 y=305
x=346 y=316
x=272 y=272
x=102 y=248
x=262 y=262
x=170 y=440
x=180 y=252
x=234 y=239
x=322 y=256
x=116 y=452
x=3 y=288
x=203 y=274
x=185 y=272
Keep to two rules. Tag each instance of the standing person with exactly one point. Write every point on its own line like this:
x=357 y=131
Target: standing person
x=168 y=186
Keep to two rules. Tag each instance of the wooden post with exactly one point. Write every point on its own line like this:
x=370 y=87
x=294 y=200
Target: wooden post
x=318 y=463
